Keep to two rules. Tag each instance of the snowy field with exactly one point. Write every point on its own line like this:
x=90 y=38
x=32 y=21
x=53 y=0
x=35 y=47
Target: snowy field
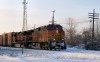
x=30 y=55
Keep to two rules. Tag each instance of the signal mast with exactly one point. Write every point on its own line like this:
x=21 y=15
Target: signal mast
x=24 y=28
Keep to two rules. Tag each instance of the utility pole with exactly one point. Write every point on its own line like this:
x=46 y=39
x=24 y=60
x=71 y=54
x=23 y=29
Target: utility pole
x=34 y=26
x=93 y=16
x=24 y=28
x=90 y=29
x=53 y=18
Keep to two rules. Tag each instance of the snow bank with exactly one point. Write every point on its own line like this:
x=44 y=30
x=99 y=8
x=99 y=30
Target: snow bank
x=30 y=55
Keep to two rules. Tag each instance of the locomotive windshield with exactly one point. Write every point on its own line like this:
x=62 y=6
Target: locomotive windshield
x=54 y=27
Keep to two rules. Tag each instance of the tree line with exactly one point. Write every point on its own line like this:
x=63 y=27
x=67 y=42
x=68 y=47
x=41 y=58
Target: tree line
x=83 y=40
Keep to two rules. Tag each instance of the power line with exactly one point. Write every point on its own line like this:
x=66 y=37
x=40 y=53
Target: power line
x=77 y=22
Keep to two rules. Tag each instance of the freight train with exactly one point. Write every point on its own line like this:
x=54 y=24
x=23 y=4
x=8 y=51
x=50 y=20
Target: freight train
x=51 y=36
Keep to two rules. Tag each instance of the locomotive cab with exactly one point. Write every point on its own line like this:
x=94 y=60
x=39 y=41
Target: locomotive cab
x=56 y=37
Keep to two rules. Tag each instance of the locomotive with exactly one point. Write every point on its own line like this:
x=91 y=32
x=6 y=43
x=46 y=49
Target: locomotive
x=51 y=36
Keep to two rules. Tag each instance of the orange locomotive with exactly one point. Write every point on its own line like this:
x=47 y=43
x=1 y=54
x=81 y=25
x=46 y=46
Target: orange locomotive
x=46 y=37
x=50 y=37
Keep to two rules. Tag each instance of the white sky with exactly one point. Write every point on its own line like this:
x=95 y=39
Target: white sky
x=39 y=12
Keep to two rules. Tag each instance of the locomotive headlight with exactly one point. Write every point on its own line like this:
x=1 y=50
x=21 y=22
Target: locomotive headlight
x=62 y=39
x=53 y=39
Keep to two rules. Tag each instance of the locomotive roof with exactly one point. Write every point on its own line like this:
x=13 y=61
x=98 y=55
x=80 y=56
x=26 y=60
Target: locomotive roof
x=54 y=26
x=50 y=26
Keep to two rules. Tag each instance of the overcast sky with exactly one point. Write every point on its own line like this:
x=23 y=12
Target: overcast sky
x=39 y=12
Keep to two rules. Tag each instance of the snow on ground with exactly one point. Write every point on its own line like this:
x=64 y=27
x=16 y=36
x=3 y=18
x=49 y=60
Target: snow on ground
x=31 y=55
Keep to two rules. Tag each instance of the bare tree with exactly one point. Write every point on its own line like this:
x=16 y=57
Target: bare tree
x=87 y=40
x=71 y=32
x=86 y=35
